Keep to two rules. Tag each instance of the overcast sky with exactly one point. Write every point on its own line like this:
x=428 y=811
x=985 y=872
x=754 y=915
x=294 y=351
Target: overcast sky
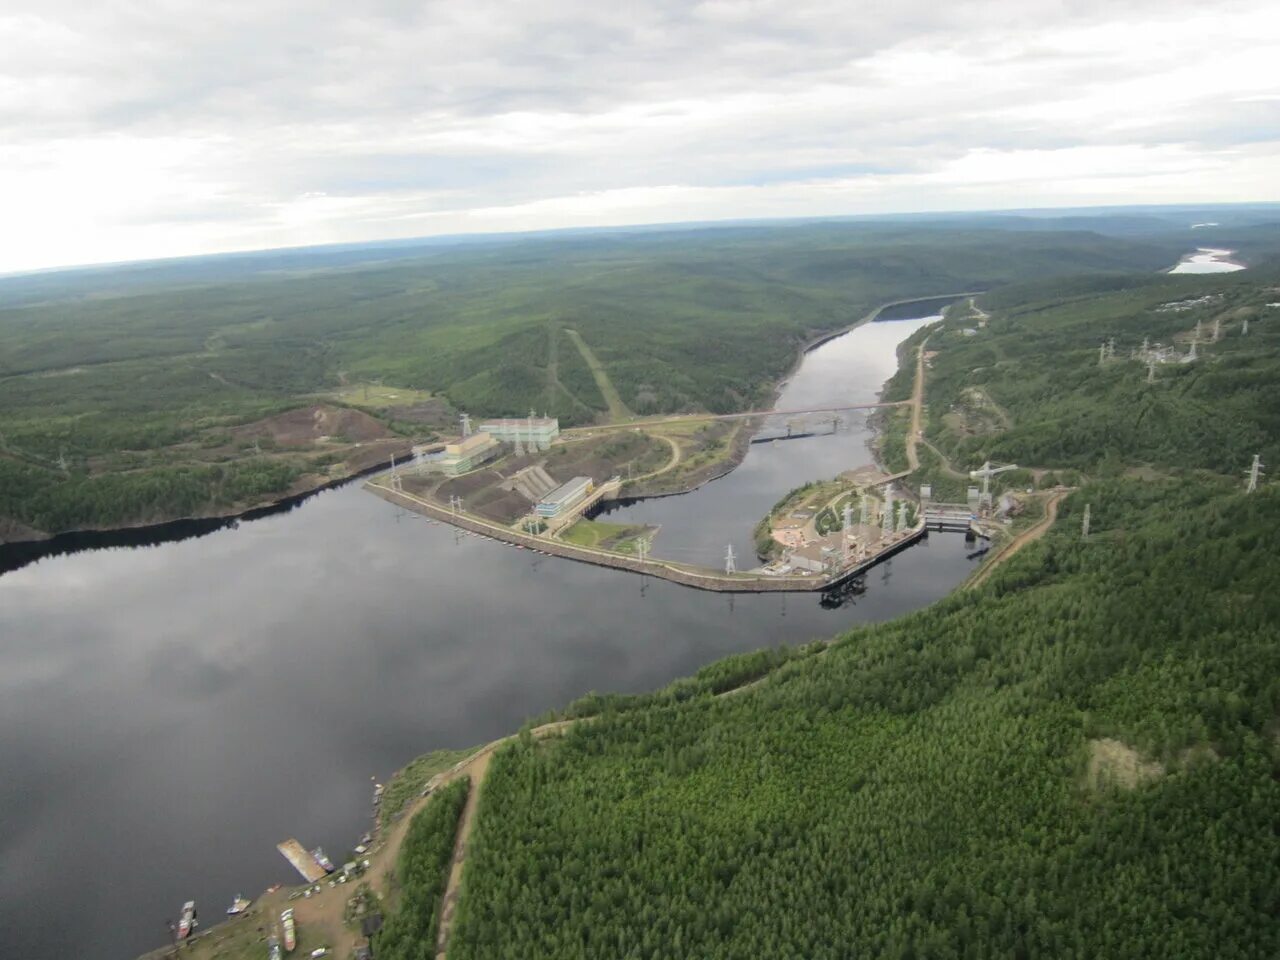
x=163 y=127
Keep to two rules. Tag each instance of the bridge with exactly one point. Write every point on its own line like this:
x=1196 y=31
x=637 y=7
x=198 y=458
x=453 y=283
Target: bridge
x=948 y=516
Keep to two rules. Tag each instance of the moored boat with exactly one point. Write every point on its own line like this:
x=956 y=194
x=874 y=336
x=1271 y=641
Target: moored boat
x=188 y=921
x=238 y=905
x=324 y=862
x=290 y=932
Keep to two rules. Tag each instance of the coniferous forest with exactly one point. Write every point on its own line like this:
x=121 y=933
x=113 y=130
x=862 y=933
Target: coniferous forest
x=1079 y=759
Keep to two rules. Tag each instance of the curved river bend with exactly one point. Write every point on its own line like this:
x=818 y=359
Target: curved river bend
x=169 y=713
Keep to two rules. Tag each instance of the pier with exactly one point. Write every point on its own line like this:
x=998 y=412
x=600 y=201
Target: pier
x=302 y=861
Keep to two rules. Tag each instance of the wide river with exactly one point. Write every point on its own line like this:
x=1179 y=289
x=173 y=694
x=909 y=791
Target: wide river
x=168 y=713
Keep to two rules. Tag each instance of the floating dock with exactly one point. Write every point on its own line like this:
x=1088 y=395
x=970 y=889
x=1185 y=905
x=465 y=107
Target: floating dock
x=302 y=861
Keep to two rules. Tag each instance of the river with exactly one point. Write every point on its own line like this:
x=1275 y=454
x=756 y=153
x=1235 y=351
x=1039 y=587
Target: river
x=1207 y=260
x=168 y=713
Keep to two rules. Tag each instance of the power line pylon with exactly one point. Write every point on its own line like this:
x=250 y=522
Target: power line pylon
x=1084 y=524
x=729 y=566
x=1255 y=474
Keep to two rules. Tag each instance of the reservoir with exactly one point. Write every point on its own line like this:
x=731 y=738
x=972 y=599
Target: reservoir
x=169 y=712
x=1207 y=260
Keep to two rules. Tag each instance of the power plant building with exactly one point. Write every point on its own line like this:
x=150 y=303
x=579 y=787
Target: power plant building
x=536 y=431
x=565 y=497
x=468 y=453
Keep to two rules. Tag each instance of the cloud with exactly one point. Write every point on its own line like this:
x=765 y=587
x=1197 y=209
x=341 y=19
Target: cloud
x=132 y=130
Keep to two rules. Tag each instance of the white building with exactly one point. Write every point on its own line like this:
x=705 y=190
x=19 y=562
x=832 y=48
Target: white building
x=531 y=430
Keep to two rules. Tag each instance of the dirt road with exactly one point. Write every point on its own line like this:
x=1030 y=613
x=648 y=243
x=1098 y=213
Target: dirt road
x=917 y=404
x=1032 y=533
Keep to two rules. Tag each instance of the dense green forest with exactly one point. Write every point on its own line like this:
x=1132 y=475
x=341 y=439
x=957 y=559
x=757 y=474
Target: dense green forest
x=1079 y=759
x=136 y=377
x=409 y=932
x=949 y=785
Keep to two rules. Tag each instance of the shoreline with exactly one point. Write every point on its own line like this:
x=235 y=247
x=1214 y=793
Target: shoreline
x=15 y=554
x=30 y=549
x=742 y=445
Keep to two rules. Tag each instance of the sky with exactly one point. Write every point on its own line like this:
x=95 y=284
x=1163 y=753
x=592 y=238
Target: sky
x=133 y=129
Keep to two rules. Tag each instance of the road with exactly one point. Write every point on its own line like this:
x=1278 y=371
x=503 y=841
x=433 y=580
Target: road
x=917 y=405
x=1032 y=533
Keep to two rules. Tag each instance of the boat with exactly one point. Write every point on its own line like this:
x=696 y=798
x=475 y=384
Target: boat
x=238 y=905
x=325 y=863
x=188 y=921
x=290 y=932
x=273 y=947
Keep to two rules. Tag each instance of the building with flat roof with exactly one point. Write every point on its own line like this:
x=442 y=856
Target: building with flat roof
x=469 y=453
x=564 y=497
x=538 y=431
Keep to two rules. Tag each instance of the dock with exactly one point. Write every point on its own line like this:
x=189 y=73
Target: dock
x=302 y=861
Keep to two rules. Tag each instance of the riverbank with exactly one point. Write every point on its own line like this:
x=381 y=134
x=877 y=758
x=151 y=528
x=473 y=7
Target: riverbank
x=29 y=545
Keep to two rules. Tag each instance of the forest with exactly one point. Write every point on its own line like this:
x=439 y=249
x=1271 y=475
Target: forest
x=410 y=929
x=1078 y=759
x=119 y=389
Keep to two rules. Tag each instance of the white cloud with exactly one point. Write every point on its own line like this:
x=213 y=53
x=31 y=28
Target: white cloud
x=129 y=131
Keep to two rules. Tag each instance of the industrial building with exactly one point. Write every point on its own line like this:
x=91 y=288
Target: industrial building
x=468 y=453
x=565 y=497
x=530 y=431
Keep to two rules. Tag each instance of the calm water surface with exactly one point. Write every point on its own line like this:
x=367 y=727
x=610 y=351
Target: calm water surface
x=169 y=713
x=1207 y=260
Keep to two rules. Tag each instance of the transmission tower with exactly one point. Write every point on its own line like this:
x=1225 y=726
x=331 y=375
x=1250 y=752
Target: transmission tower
x=1198 y=328
x=519 y=451
x=1084 y=524
x=642 y=547
x=1192 y=355
x=1111 y=348
x=1102 y=353
x=1146 y=346
x=1151 y=369
x=902 y=514
x=466 y=426
x=1217 y=328
x=886 y=515
x=1255 y=473
x=848 y=525
x=729 y=566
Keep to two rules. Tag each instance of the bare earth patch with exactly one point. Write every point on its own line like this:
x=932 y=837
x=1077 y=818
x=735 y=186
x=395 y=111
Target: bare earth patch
x=306 y=425
x=1116 y=764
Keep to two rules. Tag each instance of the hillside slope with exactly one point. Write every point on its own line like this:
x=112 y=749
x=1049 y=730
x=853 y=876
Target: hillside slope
x=1077 y=759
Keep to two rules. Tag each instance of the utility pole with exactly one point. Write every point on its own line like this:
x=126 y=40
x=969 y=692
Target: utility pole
x=902 y=515
x=886 y=516
x=1255 y=473
x=729 y=566
x=1244 y=327
x=466 y=426
x=1217 y=328
x=1084 y=525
